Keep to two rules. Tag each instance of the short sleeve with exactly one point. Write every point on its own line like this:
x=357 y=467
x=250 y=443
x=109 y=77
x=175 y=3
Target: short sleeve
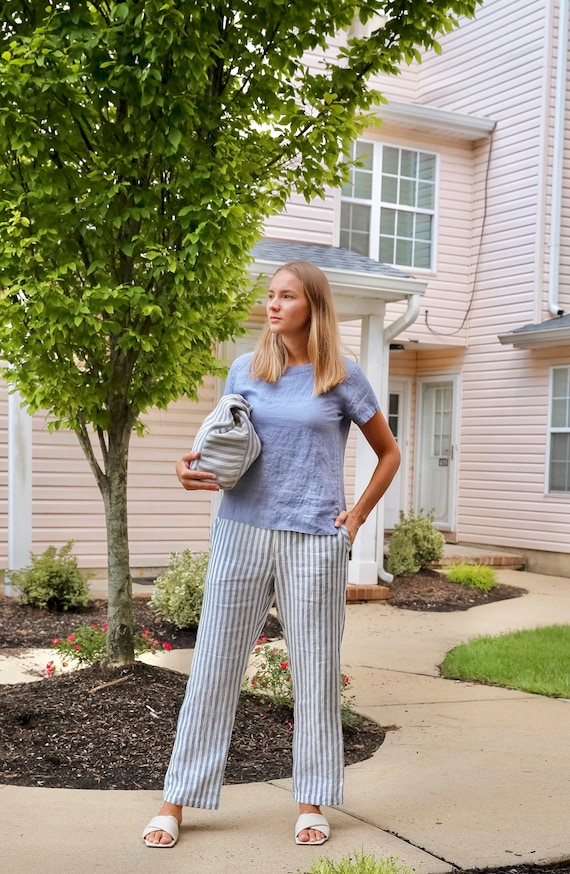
x=360 y=400
x=237 y=369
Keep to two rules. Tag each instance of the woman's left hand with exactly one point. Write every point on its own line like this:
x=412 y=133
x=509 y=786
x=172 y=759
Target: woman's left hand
x=351 y=525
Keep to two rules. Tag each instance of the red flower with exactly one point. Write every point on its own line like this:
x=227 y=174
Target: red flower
x=284 y=665
x=71 y=637
x=167 y=647
x=56 y=640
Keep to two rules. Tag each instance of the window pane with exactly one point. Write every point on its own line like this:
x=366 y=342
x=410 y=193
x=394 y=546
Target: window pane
x=422 y=255
x=360 y=218
x=387 y=250
x=404 y=252
x=406 y=224
x=407 y=192
x=560 y=463
x=388 y=221
x=427 y=167
x=363 y=185
x=355 y=228
x=389 y=190
x=390 y=158
x=360 y=243
x=425 y=195
x=363 y=153
x=408 y=164
x=423 y=227
x=560 y=413
x=561 y=382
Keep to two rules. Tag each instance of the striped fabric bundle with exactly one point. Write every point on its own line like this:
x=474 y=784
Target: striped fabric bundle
x=227 y=442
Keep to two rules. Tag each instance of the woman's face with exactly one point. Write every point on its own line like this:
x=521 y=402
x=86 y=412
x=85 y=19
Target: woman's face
x=288 y=310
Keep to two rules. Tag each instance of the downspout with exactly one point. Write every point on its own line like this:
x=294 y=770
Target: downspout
x=558 y=161
x=404 y=321
x=390 y=332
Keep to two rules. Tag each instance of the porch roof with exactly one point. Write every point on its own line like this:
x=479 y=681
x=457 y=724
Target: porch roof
x=361 y=286
x=552 y=332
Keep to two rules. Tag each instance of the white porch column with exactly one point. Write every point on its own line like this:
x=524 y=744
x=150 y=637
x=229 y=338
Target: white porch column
x=19 y=487
x=368 y=549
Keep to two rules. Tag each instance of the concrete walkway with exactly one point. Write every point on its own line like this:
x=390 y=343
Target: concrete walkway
x=469 y=777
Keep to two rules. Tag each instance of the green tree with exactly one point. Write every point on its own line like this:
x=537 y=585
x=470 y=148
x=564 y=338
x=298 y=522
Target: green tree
x=142 y=145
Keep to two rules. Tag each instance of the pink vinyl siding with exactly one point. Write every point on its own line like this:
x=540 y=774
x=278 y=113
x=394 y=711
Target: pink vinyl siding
x=316 y=218
x=67 y=505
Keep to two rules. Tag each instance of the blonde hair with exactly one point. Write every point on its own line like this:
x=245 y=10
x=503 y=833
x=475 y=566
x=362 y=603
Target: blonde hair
x=270 y=360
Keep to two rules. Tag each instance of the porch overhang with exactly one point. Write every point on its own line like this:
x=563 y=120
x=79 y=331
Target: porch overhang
x=360 y=286
x=432 y=119
x=553 y=332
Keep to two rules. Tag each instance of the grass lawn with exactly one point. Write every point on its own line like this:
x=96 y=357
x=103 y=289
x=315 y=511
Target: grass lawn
x=535 y=660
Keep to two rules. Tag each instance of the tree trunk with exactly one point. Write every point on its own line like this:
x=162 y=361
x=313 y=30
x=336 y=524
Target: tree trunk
x=120 y=634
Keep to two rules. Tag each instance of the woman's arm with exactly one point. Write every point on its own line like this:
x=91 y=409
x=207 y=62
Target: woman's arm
x=194 y=479
x=381 y=440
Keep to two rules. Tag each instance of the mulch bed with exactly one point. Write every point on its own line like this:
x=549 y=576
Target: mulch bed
x=113 y=728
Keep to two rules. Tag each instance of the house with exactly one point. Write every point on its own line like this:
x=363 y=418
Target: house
x=449 y=255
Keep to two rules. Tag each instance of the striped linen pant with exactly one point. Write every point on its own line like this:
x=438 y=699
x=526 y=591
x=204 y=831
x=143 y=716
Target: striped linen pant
x=251 y=568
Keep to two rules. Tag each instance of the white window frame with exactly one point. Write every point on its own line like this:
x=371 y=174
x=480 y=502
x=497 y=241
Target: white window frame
x=375 y=203
x=552 y=429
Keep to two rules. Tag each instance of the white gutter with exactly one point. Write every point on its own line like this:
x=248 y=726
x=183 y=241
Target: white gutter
x=558 y=161
x=404 y=321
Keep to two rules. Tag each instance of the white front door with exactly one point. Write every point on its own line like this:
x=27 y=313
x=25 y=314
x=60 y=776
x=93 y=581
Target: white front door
x=398 y=420
x=436 y=453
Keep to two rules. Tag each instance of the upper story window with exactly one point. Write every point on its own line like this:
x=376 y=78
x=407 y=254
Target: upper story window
x=559 y=462
x=388 y=205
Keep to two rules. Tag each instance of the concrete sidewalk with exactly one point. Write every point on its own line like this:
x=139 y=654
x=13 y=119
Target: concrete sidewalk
x=469 y=777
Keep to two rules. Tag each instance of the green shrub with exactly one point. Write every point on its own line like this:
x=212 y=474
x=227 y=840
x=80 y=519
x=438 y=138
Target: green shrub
x=359 y=864
x=178 y=593
x=52 y=581
x=474 y=576
x=415 y=544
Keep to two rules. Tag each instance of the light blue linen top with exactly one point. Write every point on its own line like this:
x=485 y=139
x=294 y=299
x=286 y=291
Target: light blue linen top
x=297 y=483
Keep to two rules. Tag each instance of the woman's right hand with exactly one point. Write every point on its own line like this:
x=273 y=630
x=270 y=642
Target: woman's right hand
x=195 y=479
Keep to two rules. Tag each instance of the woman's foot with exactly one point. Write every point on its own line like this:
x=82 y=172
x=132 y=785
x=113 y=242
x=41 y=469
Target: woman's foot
x=160 y=837
x=312 y=834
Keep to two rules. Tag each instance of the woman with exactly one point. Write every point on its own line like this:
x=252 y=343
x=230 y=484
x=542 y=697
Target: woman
x=283 y=535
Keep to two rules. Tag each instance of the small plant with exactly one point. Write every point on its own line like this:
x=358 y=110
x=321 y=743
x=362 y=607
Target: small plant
x=272 y=679
x=415 y=544
x=360 y=863
x=87 y=645
x=178 y=593
x=474 y=576
x=52 y=581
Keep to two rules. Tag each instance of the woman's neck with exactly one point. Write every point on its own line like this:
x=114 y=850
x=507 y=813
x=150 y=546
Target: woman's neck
x=297 y=355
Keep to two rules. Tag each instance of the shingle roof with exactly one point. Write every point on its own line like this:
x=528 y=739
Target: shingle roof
x=550 y=325
x=552 y=332
x=325 y=257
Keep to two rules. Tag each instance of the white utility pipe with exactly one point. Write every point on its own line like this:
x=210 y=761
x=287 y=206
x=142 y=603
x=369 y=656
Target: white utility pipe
x=558 y=160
